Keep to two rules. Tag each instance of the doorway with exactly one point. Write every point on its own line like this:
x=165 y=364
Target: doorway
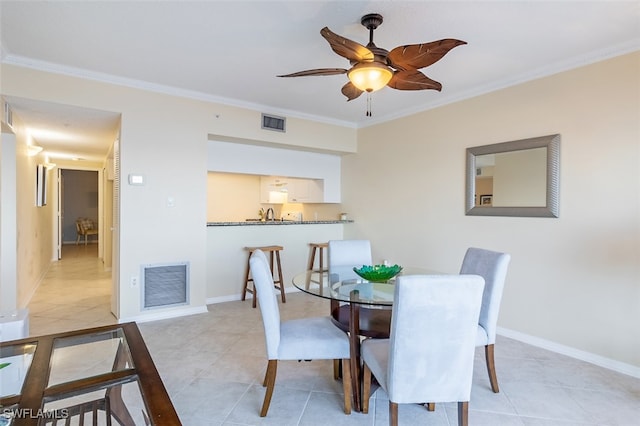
x=78 y=201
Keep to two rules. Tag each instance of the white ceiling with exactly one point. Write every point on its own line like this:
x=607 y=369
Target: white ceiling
x=231 y=51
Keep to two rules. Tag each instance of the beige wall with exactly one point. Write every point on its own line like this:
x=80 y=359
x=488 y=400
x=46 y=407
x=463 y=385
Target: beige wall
x=34 y=237
x=232 y=197
x=164 y=138
x=574 y=280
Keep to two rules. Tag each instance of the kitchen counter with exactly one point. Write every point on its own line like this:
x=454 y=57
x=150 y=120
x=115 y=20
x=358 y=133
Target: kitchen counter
x=277 y=222
x=227 y=258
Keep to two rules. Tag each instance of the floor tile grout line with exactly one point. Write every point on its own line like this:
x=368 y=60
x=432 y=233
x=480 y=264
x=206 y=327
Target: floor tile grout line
x=304 y=408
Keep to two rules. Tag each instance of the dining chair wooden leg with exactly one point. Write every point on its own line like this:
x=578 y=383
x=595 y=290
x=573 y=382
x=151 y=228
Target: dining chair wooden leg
x=491 y=367
x=393 y=414
x=431 y=406
x=347 y=385
x=463 y=413
x=366 y=388
x=336 y=369
x=269 y=382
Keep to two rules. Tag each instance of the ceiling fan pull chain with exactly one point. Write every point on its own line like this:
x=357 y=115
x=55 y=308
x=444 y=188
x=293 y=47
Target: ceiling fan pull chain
x=368 y=114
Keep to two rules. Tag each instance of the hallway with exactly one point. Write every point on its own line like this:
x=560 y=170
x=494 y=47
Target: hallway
x=75 y=293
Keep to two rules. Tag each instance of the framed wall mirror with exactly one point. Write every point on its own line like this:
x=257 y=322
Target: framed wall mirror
x=516 y=178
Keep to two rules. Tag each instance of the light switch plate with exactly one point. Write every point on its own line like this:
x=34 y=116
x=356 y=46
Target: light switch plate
x=136 y=179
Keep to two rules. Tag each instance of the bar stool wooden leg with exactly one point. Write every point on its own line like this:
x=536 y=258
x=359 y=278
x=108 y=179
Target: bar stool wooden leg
x=321 y=260
x=312 y=260
x=280 y=280
x=248 y=280
x=319 y=248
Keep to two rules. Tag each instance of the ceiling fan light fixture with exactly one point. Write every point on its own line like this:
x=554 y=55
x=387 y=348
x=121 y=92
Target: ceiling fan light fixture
x=370 y=76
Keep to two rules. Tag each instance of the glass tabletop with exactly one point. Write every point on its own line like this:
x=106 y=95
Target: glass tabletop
x=344 y=285
x=102 y=375
x=15 y=361
x=84 y=356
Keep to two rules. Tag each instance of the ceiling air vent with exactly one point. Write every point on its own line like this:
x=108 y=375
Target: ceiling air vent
x=272 y=122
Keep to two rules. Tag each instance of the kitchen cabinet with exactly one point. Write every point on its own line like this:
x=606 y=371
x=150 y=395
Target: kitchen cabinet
x=273 y=190
x=306 y=191
x=279 y=190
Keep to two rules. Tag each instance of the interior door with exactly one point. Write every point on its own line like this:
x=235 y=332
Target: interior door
x=115 y=235
x=60 y=211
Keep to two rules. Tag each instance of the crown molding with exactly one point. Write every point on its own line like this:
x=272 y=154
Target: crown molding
x=541 y=72
x=544 y=71
x=25 y=62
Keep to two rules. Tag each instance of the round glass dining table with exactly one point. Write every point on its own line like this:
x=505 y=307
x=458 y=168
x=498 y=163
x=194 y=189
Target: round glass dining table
x=359 y=307
x=344 y=289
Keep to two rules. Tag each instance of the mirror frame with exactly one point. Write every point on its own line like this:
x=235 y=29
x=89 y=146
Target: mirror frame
x=552 y=143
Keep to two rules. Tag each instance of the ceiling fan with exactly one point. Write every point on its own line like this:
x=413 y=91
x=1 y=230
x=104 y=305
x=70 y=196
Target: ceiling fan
x=373 y=68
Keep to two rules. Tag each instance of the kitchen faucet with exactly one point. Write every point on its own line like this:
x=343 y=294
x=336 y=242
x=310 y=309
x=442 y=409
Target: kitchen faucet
x=270 y=215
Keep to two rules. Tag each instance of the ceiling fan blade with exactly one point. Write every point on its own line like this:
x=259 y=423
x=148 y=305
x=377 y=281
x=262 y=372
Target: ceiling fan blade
x=412 y=80
x=347 y=48
x=317 y=71
x=351 y=91
x=414 y=56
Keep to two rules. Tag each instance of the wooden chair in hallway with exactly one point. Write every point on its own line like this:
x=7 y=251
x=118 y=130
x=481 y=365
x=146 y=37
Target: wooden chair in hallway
x=85 y=228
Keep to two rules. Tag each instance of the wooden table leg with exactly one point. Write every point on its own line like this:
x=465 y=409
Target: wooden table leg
x=354 y=337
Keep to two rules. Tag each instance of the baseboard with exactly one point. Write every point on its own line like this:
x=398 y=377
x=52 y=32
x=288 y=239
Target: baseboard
x=589 y=357
x=236 y=297
x=173 y=313
x=35 y=288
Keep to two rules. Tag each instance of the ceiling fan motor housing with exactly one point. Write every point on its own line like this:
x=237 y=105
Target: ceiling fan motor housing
x=371 y=21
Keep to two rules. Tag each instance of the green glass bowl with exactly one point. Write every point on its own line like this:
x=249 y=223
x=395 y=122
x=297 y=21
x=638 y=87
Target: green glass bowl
x=377 y=273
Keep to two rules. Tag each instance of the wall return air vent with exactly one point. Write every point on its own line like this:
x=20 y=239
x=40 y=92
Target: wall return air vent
x=165 y=285
x=272 y=122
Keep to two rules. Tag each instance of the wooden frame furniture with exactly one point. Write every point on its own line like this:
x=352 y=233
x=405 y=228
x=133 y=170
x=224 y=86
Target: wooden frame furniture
x=101 y=374
x=85 y=228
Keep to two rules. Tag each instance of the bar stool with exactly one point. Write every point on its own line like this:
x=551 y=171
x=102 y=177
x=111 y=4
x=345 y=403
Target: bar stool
x=274 y=252
x=321 y=248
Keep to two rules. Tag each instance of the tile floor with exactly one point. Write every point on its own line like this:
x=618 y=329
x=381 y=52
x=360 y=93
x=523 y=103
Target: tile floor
x=212 y=365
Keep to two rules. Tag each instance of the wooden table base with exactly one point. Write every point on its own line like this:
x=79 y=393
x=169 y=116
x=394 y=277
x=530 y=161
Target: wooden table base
x=360 y=321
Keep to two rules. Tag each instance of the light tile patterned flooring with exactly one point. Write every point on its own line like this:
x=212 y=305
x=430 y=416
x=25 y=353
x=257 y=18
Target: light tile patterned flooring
x=212 y=365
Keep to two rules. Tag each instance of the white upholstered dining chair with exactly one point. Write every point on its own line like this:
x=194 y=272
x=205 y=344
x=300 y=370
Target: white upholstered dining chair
x=429 y=354
x=492 y=266
x=300 y=339
x=343 y=255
